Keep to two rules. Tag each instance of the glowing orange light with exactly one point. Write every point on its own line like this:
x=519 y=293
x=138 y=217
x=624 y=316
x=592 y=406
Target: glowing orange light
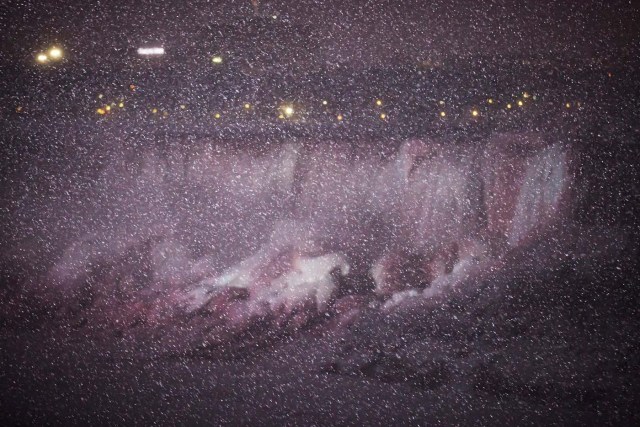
x=288 y=110
x=101 y=111
x=339 y=117
x=108 y=107
x=55 y=53
x=383 y=116
x=568 y=105
x=132 y=87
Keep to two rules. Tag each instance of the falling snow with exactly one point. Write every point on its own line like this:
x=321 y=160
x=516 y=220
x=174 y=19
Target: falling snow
x=317 y=213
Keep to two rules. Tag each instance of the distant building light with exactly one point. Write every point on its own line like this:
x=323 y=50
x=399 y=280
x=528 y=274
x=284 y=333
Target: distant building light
x=216 y=115
x=42 y=58
x=288 y=110
x=443 y=114
x=325 y=102
x=339 y=117
x=150 y=51
x=247 y=106
x=490 y=101
x=474 y=113
x=520 y=103
x=509 y=106
x=383 y=116
x=379 y=102
x=55 y=53
x=217 y=59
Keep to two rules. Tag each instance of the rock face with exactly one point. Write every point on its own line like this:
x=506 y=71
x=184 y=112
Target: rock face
x=432 y=280
x=465 y=207
x=290 y=227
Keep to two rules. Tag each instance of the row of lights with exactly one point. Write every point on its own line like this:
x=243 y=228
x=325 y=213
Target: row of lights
x=287 y=111
x=56 y=54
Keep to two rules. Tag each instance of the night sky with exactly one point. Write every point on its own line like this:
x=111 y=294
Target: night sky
x=354 y=32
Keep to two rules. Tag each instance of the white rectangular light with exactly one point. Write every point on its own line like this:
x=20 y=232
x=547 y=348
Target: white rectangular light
x=150 y=51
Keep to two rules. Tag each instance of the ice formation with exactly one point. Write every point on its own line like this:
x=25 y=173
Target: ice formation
x=286 y=227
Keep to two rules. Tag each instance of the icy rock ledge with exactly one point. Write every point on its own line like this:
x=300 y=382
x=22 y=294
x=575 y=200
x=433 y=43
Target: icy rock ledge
x=274 y=283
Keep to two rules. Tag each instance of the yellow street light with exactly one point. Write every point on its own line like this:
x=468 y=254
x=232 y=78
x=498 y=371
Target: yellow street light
x=42 y=58
x=288 y=110
x=55 y=53
x=217 y=59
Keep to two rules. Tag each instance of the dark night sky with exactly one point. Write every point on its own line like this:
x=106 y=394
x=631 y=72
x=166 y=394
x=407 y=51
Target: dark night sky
x=360 y=31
